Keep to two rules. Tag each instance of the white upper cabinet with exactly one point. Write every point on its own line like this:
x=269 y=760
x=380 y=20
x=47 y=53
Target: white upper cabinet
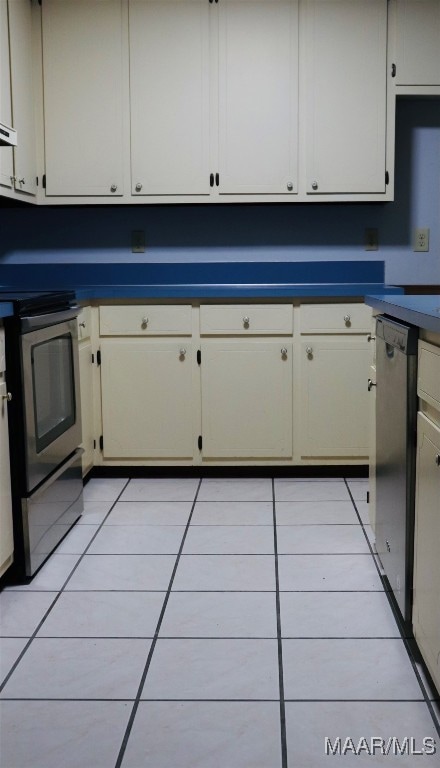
x=345 y=96
x=258 y=96
x=417 y=42
x=6 y=159
x=22 y=88
x=82 y=63
x=169 y=94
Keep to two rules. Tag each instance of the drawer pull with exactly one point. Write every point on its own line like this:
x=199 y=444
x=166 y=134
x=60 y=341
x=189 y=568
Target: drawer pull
x=182 y=352
x=371 y=338
x=347 y=319
x=437 y=459
x=82 y=325
x=283 y=353
x=144 y=322
x=371 y=384
x=246 y=322
x=309 y=352
x=7 y=397
x=113 y=188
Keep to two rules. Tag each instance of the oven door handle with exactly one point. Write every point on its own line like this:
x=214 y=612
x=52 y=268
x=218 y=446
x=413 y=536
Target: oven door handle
x=58 y=472
x=34 y=322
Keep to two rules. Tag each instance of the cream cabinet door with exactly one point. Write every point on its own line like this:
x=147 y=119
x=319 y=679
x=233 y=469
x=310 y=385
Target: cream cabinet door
x=417 y=42
x=86 y=387
x=6 y=531
x=426 y=608
x=258 y=96
x=169 y=93
x=246 y=399
x=147 y=398
x=334 y=397
x=22 y=86
x=6 y=159
x=82 y=70
x=345 y=96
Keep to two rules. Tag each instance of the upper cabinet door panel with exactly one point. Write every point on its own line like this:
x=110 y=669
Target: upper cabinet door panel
x=169 y=91
x=22 y=68
x=418 y=42
x=258 y=96
x=345 y=92
x=82 y=62
x=6 y=161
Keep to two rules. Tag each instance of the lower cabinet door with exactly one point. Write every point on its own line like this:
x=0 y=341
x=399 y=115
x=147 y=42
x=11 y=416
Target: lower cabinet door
x=426 y=608
x=147 y=398
x=246 y=399
x=334 y=397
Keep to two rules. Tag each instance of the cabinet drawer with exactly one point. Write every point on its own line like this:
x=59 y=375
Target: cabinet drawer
x=84 y=323
x=335 y=318
x=145 y=320
x=246 y=319
x=428 y=381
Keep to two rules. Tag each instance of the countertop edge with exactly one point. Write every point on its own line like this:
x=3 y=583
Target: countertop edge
x=419 y=314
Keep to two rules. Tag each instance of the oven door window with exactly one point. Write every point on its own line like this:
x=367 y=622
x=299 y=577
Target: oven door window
x=53 y=389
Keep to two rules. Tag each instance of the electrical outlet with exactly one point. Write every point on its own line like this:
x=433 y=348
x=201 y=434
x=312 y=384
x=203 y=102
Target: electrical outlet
x=421 y=240
x=371 y=239
x=138 y=241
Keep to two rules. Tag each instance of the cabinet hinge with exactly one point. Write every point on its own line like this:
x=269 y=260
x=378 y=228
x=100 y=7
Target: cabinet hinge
x=199 y=357
x=199 y=442
x=94 y=445
x=211 y=175
x=368 y=497
x=36 y=180
x=93 y=358
x=43 y=182
x=101 y=442
x=393 y=70
x=98 y=357
x=217 y=179
x=387 y=178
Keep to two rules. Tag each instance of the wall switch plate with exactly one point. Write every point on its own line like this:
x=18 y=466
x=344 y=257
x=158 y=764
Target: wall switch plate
x=371 y=239
x=138 y=241
x=421 y=240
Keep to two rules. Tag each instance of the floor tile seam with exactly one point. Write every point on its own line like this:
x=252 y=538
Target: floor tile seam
x=283 y=731
x=131 y=701
x=204 y=637
x=53 y=603
x=406 y=641
x=144 y=675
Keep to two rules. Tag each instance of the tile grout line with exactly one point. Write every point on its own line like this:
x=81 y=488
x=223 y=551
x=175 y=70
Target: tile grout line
x=57 y=597
x=155 y=638
x=407 y=641
x=279 y=638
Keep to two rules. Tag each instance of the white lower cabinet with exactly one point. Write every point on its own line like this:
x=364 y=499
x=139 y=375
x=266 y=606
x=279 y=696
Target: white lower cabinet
x=6 y=529
x=147 y=395
x=426 y=608
x=334 y=397
x=246 y=399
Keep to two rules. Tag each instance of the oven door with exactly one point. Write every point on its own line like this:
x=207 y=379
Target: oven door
x=52 y=407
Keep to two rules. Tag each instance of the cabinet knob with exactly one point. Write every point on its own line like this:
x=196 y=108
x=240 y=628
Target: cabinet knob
x=246 y=322
x=22 y=180
x=182 y=352
x=314 y=185
x=347 y=319
x=82 y=325
x=144 y=322
x=7 y=397
x=113 y=188
x=138 y=187
x=283 y=352
x=371 y=338
x=371 y=384
x=309 y=351
x=290 y=185
x=437 y=459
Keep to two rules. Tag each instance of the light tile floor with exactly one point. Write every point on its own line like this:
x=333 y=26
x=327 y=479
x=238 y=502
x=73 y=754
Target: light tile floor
x=209 y=624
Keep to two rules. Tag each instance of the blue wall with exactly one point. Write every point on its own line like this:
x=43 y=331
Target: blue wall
x=301 y=232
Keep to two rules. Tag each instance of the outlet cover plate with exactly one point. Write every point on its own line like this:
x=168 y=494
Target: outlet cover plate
x=421 y=240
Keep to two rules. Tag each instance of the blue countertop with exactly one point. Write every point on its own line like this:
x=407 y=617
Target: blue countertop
x=188 y=280
x=422 y=311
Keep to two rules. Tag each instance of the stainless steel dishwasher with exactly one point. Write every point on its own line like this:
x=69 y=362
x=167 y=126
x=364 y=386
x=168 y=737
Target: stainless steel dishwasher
x=396 y=420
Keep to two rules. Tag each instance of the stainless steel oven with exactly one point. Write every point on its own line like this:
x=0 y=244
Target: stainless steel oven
x=45 y=424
